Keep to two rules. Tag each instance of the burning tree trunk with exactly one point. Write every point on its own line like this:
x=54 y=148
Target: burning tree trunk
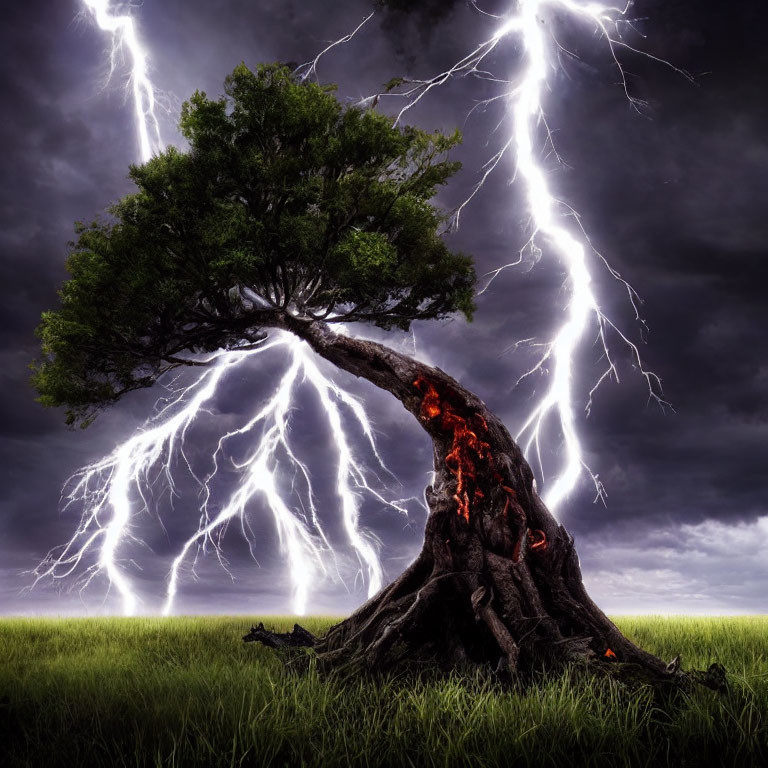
x=497 y=580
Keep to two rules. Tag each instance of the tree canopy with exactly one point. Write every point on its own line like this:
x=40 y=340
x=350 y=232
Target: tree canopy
x=285 y=201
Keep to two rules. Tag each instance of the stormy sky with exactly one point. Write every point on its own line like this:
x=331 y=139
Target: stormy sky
x=675 y=197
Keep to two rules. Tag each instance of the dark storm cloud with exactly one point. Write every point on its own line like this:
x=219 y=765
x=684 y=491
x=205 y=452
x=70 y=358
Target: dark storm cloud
x=675 y=198
x=51 y=177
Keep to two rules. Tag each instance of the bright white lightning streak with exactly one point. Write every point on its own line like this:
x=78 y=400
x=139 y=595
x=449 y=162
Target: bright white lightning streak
x=122 y=30
x=547 y=215
x=527 y=110
x=527 y=113
x=260 y=477
x=106 y=490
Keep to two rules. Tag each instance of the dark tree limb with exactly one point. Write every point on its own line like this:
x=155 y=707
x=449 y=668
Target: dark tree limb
x=497 y=584
x=296 y=638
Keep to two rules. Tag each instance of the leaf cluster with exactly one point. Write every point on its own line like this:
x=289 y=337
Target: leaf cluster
x=286 y=201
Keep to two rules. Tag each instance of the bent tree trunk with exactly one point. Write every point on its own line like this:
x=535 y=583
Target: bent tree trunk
x=497 y=580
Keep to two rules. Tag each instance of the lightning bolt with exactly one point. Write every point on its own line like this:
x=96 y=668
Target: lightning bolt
x=106 y=490
x=123 y=36
x=269 y=427
x=547 y=221
x=555 y=228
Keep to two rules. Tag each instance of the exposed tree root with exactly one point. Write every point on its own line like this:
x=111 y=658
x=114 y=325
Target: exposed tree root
x=497 y=585
x=297 y=638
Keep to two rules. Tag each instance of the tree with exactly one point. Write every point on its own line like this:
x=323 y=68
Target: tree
x=289 y=211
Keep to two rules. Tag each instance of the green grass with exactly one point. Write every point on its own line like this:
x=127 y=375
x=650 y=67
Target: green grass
x=188 y=692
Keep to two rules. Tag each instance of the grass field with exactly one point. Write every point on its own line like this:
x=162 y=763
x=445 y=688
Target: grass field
x=188 y=692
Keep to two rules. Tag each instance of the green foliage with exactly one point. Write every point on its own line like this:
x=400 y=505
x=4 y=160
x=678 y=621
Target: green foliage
x=187 y=691
x=285 y=202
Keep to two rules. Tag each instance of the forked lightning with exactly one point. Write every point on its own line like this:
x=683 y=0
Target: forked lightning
x=554 y=226
x=142 y=466
x=105 y=489
x=123 y=36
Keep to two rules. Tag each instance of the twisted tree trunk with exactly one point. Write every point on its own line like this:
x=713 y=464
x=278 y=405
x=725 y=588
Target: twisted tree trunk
x=498 y=580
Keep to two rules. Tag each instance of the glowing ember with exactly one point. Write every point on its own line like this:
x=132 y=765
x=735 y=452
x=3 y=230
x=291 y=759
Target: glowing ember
x=470 y=452
x=430 y=405
x=470 y=461
x=609 y=654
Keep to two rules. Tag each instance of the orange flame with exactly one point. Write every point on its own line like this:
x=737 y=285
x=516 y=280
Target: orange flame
x=468 y=450
x=609 y=654
x=470 y=454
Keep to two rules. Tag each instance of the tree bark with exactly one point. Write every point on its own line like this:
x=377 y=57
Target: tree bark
x=497 y=581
